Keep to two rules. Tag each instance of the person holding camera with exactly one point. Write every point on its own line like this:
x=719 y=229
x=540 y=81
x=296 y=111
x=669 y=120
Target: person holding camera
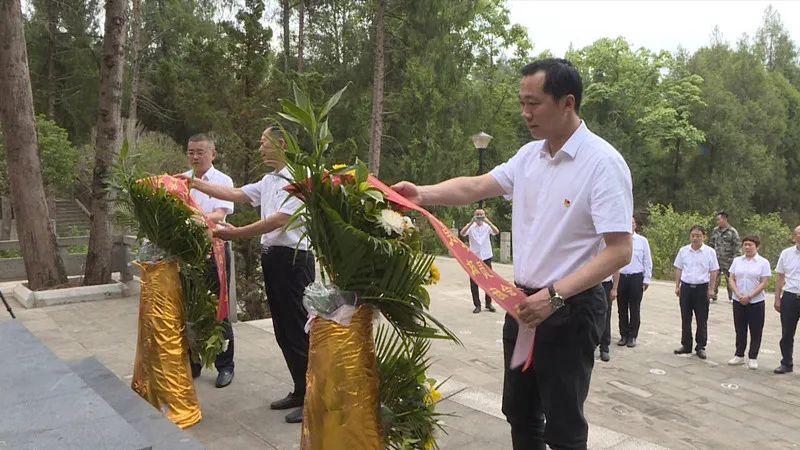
x=480 y=230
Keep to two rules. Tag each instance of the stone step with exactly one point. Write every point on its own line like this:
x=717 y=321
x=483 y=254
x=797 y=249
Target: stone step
x=146 y=420
x=46 y=405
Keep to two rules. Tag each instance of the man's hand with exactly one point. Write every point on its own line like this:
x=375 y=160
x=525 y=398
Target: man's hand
x=409 y=190
x=183 y=176
x=677 y=291
x=710 y=293
x=535 y=309
x=745 y=299
x=613 y=294
x=645 y=286
x=777 y=304
x=226 y=231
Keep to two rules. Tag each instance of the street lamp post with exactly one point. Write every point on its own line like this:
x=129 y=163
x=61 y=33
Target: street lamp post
x=481 y=141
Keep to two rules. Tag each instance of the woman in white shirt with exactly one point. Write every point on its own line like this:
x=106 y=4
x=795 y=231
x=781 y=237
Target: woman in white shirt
x=749 y=275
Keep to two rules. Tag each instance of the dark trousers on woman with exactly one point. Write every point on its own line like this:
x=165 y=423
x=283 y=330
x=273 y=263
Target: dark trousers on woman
x=476 y=297
x=224 y=360
x=629 y=304
x=694 y=300
x=557 y=384
x=790 y=314
x=605 y=338
x=286 y=275
x=748 y=316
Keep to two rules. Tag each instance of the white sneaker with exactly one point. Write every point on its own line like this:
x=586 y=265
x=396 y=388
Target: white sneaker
x=735 y=361
x=752 y=364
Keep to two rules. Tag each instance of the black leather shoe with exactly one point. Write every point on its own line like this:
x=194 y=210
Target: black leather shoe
x=476 y=310
x=224 y=378
x=701 y=354
x=196 y=368
x=295 y=416
x=622 y=341
x=631 y=342
x=783 y=369
x=290 y=401
x=490 y=308
x=682 y=351
x=604 y=356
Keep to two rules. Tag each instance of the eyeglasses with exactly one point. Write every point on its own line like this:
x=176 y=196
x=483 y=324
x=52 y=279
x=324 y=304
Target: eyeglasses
x=196 y=153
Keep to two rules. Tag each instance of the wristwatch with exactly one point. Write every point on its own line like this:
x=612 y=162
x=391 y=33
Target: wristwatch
x=556 y=300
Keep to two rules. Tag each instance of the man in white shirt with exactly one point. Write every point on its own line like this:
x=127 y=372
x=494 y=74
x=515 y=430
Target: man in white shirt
x=631 y=282
x=287 y=263
x=201 y=152
x=571 y=193
x=696 y=272
x=480 y=230
x=787 y=300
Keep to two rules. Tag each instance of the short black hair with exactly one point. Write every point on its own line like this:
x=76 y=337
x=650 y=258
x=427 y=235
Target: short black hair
x=723 y=214
x=561 y=78
x=698 y=228
x=752 y=238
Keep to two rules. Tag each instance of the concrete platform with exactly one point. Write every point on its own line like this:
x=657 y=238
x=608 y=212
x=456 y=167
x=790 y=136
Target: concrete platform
x=645 y=397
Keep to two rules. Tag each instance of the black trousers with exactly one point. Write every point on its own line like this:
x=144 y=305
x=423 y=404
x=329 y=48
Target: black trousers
x=724 y=272
x=286 y=276
x=224 y=360
x=748 y=316
x=694 y=300
x=605 y=339
x=545 y=404
x=790 y=313
x=476 y=299
x=629 y=304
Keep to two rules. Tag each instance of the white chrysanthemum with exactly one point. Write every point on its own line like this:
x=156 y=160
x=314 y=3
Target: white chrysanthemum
x=391 y=221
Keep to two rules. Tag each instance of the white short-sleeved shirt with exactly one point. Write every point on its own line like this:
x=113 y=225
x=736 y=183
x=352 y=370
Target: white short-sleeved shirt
x=748 y=273
x=641 y=260
x=480 y=242
x=269 y=194
x=696 y=265
x=789 y=266
x=562 y=205
x=206 y=202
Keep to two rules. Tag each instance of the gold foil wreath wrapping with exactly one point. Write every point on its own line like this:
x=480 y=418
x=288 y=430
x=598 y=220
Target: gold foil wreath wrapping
x=161 y=372
x=342 y=409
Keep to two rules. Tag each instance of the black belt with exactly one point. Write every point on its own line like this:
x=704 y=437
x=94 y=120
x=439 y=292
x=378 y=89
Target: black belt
x=272 y=249
x=628 y=275
x=527 y=290
x=693 y=286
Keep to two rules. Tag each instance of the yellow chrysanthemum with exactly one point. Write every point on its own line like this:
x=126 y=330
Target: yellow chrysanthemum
x=429 y=444
x=433 y=396
x=339 y=166
x=434 y=276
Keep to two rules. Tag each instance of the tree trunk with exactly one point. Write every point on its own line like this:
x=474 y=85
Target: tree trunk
x=6 y=220
x=287 y=15
x=376 y=132
x=300 y=35
x=130 y=128
x=107 y=144
x=43 y=264
x=52 y=31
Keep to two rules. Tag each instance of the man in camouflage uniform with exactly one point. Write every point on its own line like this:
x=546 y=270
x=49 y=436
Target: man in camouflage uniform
x=725 y=241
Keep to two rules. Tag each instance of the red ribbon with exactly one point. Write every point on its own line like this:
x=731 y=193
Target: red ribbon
x=501 y=291
x=180 y=189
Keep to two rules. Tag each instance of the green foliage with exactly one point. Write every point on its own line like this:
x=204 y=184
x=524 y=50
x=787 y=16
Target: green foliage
x=59 y=158
x=667 y=231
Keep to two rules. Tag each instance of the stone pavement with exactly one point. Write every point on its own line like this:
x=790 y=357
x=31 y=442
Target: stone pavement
x=645 y=397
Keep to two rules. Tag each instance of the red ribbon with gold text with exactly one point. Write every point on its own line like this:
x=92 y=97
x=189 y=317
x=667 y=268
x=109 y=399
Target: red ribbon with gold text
x=180 y=189
x=501 y=291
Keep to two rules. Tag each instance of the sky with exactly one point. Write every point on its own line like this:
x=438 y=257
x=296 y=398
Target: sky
x=654 y=24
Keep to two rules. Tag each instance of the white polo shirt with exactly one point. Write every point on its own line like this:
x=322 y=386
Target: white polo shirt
x=480 y=242
x=268 y=193
x=641 y=260
x=207 y=203
x=789 y=266
x=696 y=265
x=562 y=205
x=748 y=273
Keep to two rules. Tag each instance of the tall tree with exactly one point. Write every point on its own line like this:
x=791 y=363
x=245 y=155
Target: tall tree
x=286 y=7
x=43 y=264
x=301 y=35
x=52 y=34
x=376 y=128
x=135 y=32
x=107 y=144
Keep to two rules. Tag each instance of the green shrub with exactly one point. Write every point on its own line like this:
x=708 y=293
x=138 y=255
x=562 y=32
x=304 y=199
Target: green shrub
x=668 y=231
x=774 y=234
